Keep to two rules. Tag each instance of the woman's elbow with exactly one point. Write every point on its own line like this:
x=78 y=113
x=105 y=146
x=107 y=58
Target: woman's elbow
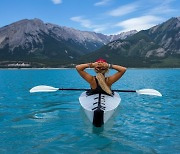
x=124 y=69
x=77 y=67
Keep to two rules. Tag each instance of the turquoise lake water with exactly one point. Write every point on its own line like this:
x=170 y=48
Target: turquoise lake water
x=55 y=122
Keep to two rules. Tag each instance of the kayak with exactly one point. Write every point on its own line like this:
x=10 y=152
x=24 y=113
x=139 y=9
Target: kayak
x=99 y=107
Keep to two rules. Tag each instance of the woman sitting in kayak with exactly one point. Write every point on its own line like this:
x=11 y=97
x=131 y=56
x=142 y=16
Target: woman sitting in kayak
x=100 y=83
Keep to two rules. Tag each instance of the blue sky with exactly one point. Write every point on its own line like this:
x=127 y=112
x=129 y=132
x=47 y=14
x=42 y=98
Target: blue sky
x=102 y=16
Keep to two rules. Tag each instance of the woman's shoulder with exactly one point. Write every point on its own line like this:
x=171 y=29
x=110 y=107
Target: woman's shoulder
x=108 y=82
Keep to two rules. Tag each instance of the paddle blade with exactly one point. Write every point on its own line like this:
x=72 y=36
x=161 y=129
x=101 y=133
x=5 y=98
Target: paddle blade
x=43 y=88
x=149 y=92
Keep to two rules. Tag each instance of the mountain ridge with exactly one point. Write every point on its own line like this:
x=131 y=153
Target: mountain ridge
x=34 y=40
x=158 y=46
x=49 y=45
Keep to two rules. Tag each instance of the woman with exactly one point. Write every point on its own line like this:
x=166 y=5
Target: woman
x=100 y=83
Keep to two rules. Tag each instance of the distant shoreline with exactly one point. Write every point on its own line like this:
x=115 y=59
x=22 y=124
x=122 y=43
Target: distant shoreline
x=33 y=68
x=74 y=68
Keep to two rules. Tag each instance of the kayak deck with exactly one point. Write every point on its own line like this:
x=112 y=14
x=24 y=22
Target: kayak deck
x=99 y=107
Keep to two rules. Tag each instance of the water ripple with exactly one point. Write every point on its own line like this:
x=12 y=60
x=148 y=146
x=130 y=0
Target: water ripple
x=55 y=122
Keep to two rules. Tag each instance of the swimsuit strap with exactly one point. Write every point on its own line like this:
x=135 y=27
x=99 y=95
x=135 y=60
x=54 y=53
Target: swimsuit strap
x=97 y=82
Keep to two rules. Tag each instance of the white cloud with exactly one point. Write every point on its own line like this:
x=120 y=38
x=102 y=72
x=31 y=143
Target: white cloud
x=100 y=28
x=139 y=23
x=154 y=12
x=88 y=24
x=102 y=2
x=83 y=22
x=57 y=1
x=163 y=8
x=123 y=10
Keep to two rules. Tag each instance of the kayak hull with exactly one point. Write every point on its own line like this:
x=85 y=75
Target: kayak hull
x=99 y=107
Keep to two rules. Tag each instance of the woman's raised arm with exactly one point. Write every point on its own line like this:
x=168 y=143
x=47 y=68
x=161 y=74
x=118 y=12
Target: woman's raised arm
x=120 y=71
x=81 y=70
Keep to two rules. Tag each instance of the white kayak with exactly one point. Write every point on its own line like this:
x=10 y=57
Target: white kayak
x=99 y=107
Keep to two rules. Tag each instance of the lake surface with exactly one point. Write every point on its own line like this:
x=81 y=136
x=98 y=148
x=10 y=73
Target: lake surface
x=55 y=123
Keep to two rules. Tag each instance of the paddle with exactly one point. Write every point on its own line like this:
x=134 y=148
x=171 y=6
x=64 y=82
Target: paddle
x=43 y=88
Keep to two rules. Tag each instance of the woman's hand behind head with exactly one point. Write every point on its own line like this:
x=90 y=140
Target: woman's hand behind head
x=100 y=67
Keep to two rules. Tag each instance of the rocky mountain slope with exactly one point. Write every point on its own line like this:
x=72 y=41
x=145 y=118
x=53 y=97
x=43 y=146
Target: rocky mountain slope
x=158 y=46
x=33 y=43
x=34 y=40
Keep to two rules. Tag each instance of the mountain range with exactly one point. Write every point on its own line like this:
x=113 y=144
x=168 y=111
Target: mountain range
x=37 y=44
x=49 y=44
x=158 y=46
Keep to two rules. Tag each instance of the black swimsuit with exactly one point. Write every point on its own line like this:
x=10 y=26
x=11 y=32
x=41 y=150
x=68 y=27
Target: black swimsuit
x=97 y=90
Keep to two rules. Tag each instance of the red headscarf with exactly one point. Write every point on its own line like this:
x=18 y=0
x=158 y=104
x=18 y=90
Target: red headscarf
x=101 y=60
